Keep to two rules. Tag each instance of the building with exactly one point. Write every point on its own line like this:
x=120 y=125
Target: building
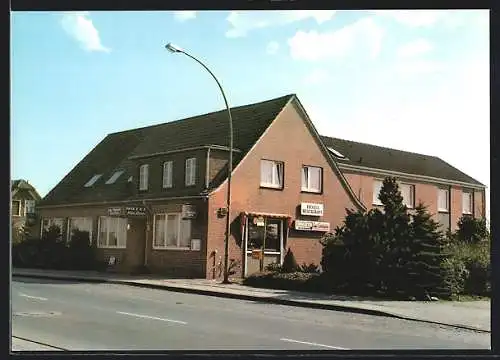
x=23 y=203
x=155 y=197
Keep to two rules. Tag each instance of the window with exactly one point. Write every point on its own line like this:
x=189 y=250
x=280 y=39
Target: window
x=167 y=174
x=190 y=171
x=377 y=187
x=143 y=177
x=408 y=194
x=335 y=153
x=47 y=223
x=80 y=224
x=312 y=178
x=271 y=174
x=171 y=231
x=443 y=200
x=114 y=177
x=112 y=232
x=29 y=206
x=92 y=180
x=16 y=208
x=466 y=202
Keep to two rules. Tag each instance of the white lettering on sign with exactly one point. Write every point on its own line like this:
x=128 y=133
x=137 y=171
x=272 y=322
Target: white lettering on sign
x=312 y=225
x=311 y=209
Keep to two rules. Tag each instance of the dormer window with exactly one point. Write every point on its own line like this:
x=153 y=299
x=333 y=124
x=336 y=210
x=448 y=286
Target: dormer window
x=114 y=177
x=92 y=180
x=143 y=177
x=190 y=172
x=336 y=153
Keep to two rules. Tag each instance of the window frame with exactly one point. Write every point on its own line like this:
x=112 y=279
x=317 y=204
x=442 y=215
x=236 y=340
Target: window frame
x=92 y=180
x=26 y=206
x=375 y=200
x=107 y=246
x=281 y=166
x=308 y=188
x=69 y=230
x=165 y=230
x=143 y=177
x=18 y=208
x=471 y=202
x=190 y=177
x=441 y=209
x=50 y=223
x=114 y=177
x=412 y=193
x=168 y=182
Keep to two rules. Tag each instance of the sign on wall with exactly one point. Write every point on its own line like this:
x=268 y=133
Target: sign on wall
x=127 y=211
x=189 y=212
x=311 y=209
x=139 y=211
x=115 y=211
x=312 y=225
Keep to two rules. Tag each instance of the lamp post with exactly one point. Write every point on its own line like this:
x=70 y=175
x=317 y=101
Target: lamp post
x=174 y=49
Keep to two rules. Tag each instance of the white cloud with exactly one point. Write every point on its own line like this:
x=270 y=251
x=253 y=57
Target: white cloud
x=272 y=47
x=414 y=18
x=316 y=76
x=313 y=45
x=184 y=15
x=244 y=22
x=418 y=67
x=80 y=27
x=414 y=48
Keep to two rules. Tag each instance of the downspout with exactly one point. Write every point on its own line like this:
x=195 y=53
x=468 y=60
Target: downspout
x=207 y=169
x=150 y=213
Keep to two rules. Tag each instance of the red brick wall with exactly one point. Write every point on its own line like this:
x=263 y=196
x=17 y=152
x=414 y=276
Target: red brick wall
x=287 y=140
x=427 y=193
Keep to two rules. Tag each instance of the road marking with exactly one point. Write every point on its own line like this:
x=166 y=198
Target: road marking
x=33 y=297
x=151 y=317
x=313 y=344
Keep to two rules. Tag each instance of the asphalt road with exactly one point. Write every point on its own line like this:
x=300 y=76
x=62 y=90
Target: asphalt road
x=83 y=316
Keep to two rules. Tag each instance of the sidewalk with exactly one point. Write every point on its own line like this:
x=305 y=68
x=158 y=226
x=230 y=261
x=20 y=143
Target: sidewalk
x=472 y=315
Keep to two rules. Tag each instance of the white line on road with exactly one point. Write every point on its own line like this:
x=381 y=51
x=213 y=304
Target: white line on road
x=313 y=344
x=33 y=297
x=151 y=317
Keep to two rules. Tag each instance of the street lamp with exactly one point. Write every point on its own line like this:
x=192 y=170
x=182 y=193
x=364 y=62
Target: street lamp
x=174 y=49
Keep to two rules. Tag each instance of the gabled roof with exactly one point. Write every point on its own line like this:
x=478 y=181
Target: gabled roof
x=115 y=151
x=377 y=157
x=21 y=185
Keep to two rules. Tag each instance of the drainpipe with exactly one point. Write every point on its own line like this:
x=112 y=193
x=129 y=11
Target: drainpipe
x=150 y=213
x=207 y=169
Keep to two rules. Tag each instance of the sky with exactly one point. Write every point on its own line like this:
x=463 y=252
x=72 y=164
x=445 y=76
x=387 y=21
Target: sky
x=415 y=80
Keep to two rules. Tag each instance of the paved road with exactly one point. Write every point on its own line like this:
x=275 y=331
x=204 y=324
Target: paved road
x=81 y=316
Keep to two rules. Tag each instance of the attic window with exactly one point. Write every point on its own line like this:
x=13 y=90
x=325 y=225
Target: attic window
x=336 y=153
x=114 y=177
x=92 y=180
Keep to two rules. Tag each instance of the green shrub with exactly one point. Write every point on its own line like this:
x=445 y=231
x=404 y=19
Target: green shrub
x=273 y=267
x=472 y=230
x=81 y=254
x=294 y=281
x=310 y=268
x=289 y=262
x=475 y=258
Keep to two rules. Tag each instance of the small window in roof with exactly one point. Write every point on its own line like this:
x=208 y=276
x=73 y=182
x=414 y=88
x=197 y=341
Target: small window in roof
x=114 y=177
x=92 y=180
x=336 y=153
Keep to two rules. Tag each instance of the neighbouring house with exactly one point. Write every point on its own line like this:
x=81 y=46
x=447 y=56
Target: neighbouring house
x=155 y=197
x=24 y=198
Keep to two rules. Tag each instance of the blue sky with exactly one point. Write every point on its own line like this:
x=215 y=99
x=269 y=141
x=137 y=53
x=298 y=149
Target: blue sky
x=412 y=80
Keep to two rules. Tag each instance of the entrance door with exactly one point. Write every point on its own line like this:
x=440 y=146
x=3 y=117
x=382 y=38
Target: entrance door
x=264 y=243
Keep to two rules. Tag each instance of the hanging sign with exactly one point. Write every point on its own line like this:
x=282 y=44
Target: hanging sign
x=189 y=211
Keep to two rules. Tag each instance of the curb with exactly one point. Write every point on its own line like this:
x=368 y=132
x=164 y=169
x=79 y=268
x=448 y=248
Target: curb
x=333 y=307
